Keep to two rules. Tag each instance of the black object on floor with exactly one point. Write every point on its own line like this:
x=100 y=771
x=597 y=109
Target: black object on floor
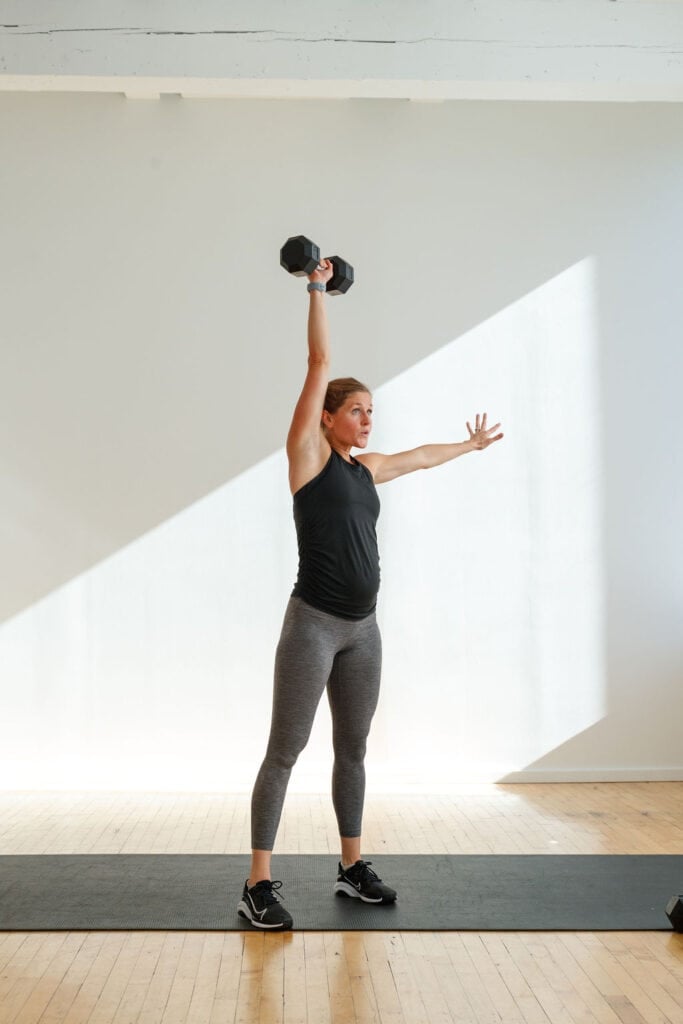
x=436 y=892
x=674 y=911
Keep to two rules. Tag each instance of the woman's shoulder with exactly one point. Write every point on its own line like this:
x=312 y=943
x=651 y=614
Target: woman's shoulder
x=371 y=461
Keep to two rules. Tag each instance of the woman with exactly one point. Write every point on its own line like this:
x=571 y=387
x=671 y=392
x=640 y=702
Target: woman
x=330 y=638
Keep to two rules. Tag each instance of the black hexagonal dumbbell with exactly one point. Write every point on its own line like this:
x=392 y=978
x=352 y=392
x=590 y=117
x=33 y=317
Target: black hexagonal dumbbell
x=300 y=256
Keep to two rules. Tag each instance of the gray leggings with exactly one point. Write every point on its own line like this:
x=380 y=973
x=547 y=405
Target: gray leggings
x=315 y=650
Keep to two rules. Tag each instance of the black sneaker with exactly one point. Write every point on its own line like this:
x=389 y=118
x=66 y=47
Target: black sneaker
x=261 y=906
x=360 y=882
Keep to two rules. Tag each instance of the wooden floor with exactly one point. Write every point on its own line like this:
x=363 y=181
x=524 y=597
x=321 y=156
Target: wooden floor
x=313 y=977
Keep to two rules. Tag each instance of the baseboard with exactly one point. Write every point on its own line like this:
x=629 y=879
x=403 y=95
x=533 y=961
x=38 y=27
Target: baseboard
x=594 y=775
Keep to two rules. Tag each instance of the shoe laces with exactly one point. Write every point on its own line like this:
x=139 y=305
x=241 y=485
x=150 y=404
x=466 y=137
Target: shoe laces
x=367 y=873
x=266 y=887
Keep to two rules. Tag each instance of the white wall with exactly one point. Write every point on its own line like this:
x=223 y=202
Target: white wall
x=516 y=258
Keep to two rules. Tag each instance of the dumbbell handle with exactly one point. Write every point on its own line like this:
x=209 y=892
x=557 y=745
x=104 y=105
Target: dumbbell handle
x=299 y=252
x=320 y=267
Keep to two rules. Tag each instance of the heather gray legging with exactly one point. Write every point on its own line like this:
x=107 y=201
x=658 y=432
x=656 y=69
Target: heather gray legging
x=315 y=650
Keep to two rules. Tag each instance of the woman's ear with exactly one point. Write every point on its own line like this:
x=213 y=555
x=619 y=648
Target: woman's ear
x=326 y=419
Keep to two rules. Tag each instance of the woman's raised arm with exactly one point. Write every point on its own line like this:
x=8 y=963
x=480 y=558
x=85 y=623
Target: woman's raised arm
x=304 y=431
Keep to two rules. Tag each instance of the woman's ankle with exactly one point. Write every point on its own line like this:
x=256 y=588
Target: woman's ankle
x=260 y=866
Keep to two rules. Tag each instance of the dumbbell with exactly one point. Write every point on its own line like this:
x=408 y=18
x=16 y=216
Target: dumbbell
x=674 y=911
x=300 y=256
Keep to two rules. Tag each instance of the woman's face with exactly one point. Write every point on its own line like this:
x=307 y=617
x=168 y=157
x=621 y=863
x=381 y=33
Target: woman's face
x=352 y=422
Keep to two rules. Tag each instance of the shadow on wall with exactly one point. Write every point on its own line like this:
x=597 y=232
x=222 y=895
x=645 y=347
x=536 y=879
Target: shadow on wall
x=531 y=599
x=142 y=318
x=148 y=667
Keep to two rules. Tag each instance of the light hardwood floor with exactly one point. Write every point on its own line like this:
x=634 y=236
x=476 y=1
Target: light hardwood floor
x=315 y=977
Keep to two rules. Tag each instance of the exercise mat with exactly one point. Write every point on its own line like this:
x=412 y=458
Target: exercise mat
x=436 y=892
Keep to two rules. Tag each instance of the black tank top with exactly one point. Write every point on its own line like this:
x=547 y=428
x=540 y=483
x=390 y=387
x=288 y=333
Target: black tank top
x=335 y=515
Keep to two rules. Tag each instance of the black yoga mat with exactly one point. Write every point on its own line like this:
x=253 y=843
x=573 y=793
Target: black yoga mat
x=437 y=892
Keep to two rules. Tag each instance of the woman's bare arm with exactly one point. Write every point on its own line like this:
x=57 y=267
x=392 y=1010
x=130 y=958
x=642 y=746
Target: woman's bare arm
x=388 y=467
x=307 y=447
x=305 y=432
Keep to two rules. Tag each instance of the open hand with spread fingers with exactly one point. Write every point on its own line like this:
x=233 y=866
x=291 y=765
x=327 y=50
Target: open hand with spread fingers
x=479 y=437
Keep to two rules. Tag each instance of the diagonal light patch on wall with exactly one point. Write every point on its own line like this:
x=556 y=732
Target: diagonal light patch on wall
x=153 y=670
x=493 y=592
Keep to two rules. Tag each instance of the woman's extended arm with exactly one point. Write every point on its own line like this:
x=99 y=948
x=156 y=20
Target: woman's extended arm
x=318 y=328
x=304 y=432
x=388 y=467
x=305 y=426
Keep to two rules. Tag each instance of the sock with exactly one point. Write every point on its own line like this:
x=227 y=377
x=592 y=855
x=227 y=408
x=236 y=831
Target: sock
x=347 y=866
